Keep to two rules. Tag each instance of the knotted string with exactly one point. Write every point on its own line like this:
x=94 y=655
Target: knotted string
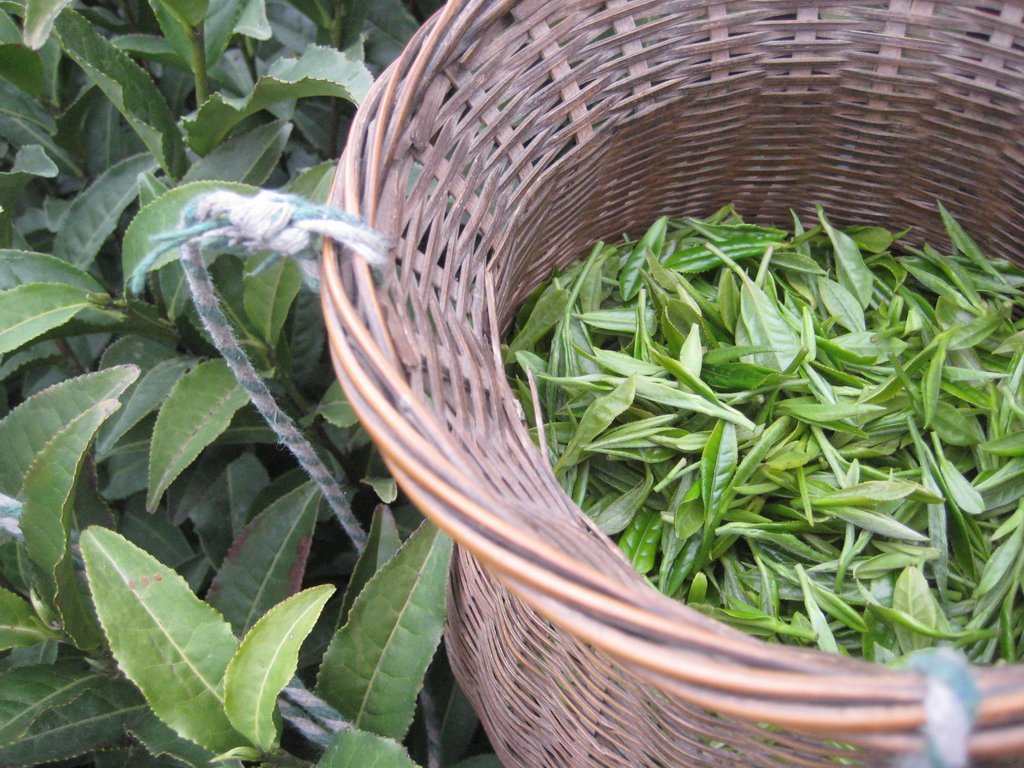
x=285 y=226
x=951 y=706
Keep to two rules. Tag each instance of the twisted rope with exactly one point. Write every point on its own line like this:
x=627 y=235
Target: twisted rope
x=951 y=706
x=10 y=514
x=314 y=718
x=285 y=225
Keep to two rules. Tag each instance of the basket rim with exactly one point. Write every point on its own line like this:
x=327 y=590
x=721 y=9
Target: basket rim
x=869 y=704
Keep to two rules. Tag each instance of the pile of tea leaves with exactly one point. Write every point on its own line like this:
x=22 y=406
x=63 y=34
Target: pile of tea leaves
x=816 y=437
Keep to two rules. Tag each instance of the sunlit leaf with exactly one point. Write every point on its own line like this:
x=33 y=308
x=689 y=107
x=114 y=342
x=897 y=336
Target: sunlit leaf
x=173 y=646
x=265 y=662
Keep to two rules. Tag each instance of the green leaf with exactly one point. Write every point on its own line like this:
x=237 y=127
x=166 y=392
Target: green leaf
x=549 y=309
x=253 y=21
x=882 y=523
x=24 y=122
x=385 y=488
x=27 y=693
x=825 y=639
x=381 y=544
x=318 y=72
x=30 y=163
x=94 y=213
x=265 y=662
x=19 y=625
x=39 y=18
x=389 y=26
x=873 y=239
x=851 y=270
x=842 y=305
x=335 y=407
x=172 y=645
x=359 y=749
x=23 y=68
x=596 y=419
x=913 y=597
x=149 y=392
x=22 y=267
x=151 y=47
x=159 y=740
x=762 y=325
x=49 y=485
x=374 y=666
x=150 y=188
x=1007 y=445
x=965 y=243
x=248 y=158
x=827 y=413
x=31 y=310
x=874 y=492
x=128 y=87
x=197 y=410
x=161 y=216
x=267 y=560
x=190 y=12
x=960 y=490
x=29 y=427
x=91 y=722
x=268 y=295
x=631 y=274
x=218 y=27
x=999 y=572
x=717 y=465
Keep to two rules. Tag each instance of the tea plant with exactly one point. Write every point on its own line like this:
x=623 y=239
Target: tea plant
x=172 y=590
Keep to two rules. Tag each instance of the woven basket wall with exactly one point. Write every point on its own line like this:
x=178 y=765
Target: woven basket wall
x=508 y=138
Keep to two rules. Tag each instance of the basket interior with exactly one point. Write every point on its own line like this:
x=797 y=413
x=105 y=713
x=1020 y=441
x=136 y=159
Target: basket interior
x=561 y=127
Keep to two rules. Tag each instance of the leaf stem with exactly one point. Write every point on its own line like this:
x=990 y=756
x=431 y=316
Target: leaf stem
x=70 y=358
x=129 y=17
x=197 y=38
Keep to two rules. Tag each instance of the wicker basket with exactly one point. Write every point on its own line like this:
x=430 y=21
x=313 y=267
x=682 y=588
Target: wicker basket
x=509 y=137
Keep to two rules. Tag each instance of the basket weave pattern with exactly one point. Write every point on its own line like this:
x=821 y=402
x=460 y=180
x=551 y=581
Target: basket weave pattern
x=508 y=138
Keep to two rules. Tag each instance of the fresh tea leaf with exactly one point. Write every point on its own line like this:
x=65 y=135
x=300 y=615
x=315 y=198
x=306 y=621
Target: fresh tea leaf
x=319 y=71
x=27 y=693
x=375 y=664
x=48 y=488
x=267 y=560
x=19 y=625
x=173 y=646
x=94 y=214
x=29 y=311
x=93 y=721
x=382 y=542
x=360 y=749
x=248 y=158
x=128 y=87
x=265 y=662
x=197 y=410
x=268 y=295
x=29 y=427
